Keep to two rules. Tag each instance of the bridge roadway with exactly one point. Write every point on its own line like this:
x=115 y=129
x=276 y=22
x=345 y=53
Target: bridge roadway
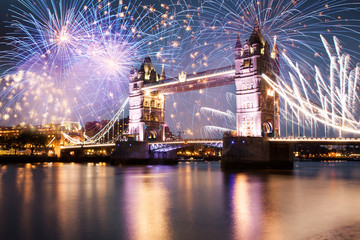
x=129 y=151
x=219 y=143
x=155 y=146
x=168 y=146
x=317 y=141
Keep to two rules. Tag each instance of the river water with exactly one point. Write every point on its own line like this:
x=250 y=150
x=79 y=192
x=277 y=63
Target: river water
x=187 y=201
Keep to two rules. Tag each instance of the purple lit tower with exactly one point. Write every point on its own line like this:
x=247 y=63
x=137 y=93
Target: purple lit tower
x=146 y=109
x=257 y=104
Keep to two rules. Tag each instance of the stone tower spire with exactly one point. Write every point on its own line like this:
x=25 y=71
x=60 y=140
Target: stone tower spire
x=275 y=51
x=238 y=47
x=163 y=76
x=256 y=36
x=238 y=42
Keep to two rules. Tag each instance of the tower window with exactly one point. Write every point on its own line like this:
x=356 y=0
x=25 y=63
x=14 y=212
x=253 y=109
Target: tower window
x=152 y=103
x=247 y=63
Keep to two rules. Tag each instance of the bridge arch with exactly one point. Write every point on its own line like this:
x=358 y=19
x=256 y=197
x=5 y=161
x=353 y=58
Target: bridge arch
x=151 y=134
x=267 y=127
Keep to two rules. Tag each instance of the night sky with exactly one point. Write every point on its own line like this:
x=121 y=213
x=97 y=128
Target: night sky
x=4 y=16
x=183 y=109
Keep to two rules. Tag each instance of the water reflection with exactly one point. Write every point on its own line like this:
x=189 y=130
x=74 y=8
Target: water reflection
x=188 y=201
x=245 y=202
x=292 y=204
x=147 y=205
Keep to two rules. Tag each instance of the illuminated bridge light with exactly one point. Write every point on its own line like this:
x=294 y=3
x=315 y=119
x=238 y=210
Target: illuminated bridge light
x=339 y=140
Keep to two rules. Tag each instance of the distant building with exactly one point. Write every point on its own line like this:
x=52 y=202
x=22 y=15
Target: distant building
x=91 y=128
x=53 y=132
x=7 y=133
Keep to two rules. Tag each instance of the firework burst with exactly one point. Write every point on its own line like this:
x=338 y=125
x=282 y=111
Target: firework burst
x=70 y=60
x=296 y=24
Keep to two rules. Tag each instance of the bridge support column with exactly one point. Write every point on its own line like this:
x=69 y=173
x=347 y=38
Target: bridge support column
x=138 y=153
x=131 y=152
x=164 y=157
x=255 y=153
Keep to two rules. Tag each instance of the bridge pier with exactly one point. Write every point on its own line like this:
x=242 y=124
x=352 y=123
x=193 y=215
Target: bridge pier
x=138 y=153
x=255 y=153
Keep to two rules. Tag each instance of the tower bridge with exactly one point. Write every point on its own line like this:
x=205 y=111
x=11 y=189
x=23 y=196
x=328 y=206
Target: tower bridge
x=257 y=104
x=256 y=140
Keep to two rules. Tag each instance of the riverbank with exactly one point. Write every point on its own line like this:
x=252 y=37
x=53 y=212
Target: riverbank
x=349 y=232
x=15 y=159
x=21 y=159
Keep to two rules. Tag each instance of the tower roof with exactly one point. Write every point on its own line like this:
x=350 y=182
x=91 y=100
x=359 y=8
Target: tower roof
x=256 y=36
x=146 y=62
x=147 y=59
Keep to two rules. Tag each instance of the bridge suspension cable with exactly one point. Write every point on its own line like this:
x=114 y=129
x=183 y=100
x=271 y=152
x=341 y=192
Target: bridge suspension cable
x=98 y=136
x=70 y=139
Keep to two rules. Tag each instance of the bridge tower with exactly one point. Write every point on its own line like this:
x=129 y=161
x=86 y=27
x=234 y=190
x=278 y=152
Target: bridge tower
x=257 y=104
x=146 y=109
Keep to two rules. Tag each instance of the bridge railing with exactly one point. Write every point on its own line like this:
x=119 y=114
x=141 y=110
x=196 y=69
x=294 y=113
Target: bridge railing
x=199 y=74
x=187 y=140
x=311 y=139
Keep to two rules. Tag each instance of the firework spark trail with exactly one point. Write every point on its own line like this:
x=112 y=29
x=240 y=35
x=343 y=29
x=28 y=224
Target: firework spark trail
x=227 y=118
x=215 y=131
x=340 y=113
x=218 y=113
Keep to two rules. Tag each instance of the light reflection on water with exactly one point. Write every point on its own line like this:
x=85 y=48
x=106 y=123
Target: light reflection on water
x=188 y=201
